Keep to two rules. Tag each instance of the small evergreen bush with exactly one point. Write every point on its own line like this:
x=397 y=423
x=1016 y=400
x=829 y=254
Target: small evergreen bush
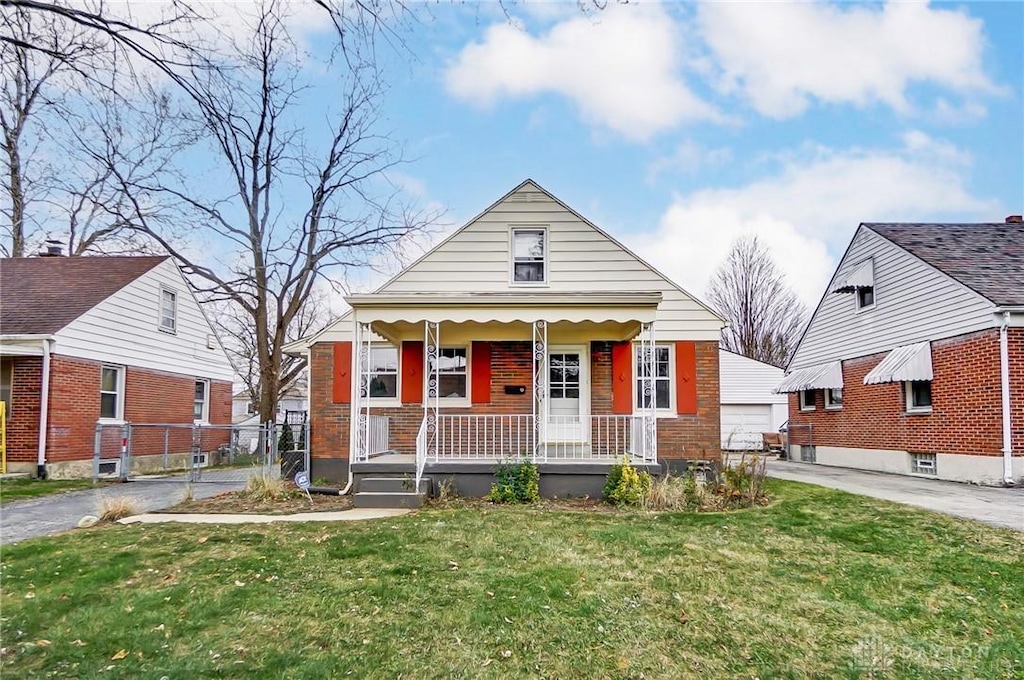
x=626 y=485
x=516 y=483
x=285 y=442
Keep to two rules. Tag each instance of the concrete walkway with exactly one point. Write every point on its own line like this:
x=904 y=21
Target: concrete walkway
x=54 y=513
x=992 y=505
x=338 y=516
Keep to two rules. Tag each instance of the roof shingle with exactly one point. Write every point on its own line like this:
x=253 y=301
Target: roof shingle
x=41 y=295
x=988 y=258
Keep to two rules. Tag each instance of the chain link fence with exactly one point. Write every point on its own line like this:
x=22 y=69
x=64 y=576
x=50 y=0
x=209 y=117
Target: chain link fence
x=199 y=453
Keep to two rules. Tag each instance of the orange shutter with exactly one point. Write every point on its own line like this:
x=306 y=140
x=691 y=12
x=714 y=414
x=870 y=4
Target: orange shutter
x=686 y=377
x=622 y=378
x=342 y=372
x=412 y=372
x=481 y=373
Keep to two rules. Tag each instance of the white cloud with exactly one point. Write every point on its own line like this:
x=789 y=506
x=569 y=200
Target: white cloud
x=688 y=158
x=621 y=68
x=781 y=55
x=807 y=213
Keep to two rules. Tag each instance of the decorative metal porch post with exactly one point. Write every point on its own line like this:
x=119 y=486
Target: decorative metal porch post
x=540 y=390
x=361 y=391
x=431 y=405
x=649 y=357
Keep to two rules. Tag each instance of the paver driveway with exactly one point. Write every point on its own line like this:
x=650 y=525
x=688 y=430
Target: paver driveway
x=992 y=505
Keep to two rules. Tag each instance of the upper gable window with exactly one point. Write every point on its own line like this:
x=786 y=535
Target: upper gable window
x=168 y=310
x=865 y=297
x=529 y=256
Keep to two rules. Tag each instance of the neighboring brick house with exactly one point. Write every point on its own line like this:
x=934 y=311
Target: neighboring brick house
x=87 y=340
x=529 y=334
x=913 y=361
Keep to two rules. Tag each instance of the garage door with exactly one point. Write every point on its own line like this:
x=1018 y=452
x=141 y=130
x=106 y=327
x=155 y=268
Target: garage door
x=742 y=425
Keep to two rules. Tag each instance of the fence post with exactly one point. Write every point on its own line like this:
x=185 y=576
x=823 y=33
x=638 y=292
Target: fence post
x=125 y=452
x=167 y=435
x=96 y=449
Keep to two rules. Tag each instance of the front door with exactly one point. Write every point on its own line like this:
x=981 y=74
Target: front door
x=568 y=386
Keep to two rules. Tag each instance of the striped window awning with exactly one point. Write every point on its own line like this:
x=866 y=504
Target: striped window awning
x=818 y=377
x=861 y=276
x=904 y=364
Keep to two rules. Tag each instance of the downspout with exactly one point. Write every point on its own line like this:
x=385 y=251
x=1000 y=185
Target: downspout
x=44 y=403
x=1004 y=370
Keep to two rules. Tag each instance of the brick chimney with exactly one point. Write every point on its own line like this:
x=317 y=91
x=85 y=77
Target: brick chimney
x=1014 y=219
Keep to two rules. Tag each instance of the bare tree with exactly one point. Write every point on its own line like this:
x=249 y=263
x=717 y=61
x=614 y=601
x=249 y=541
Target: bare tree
x=765 y=317
x=285 y=205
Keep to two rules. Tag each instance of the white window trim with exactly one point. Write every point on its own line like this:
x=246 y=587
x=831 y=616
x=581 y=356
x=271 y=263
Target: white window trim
x=829 y=404
x=669 y=412
x=512 y=256
x=804 y=405
x=908 y=398
x=451 y=402
x=119 y=417
x=396 y=400
x=205 y=420
x=160 y=310
x=865 y=308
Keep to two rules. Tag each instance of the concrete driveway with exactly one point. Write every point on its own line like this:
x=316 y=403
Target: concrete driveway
x=52 y=514
x=991 y=505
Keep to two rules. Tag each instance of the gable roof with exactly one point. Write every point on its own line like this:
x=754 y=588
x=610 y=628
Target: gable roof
x=988 y=258
x=41 y=295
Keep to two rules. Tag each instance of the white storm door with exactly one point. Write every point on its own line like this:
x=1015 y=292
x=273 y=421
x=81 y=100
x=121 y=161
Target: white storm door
x=568 y=386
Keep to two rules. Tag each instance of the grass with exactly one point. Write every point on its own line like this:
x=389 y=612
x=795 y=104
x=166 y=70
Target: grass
x=821 y=584
x=17 y=489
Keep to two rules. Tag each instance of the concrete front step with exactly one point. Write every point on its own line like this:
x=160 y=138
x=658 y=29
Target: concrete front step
x=388 y=499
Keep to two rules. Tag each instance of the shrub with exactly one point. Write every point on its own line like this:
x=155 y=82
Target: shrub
x=286 y=441
x=516 y=483
x=265 y=488
x=119 y=507
x=301 y=446
x=626 y=485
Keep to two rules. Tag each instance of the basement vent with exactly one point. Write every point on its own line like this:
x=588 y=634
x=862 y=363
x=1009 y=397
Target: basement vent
x=110 y=467
x=807 y=454
x=922 y=463
x=199 y=460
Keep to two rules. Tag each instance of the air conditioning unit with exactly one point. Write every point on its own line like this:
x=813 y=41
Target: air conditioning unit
x=110 y=467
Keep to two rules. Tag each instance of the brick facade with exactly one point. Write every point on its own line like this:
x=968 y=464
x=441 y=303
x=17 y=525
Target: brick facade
x=74 y=407
x=966 y=415
x=682 y=437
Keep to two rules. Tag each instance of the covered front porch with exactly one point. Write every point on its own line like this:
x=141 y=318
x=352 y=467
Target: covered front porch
x=483 y=378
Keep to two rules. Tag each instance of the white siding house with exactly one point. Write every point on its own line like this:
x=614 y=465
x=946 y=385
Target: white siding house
x=750 y=406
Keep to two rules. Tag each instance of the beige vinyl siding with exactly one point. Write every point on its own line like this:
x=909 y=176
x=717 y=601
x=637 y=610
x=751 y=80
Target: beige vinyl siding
x=914 y=302
x=745 y=381
x=124 y=330
x=580 y=259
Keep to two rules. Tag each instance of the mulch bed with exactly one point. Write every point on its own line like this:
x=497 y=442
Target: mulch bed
x=237 y=502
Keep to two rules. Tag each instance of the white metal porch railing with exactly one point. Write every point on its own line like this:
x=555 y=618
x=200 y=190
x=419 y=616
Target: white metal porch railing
x=377 y=435
x=479 y=437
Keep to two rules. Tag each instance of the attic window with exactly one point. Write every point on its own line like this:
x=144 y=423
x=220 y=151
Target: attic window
x=529 y=256
x=859 y=280
x=865 y=297
x=168 y=310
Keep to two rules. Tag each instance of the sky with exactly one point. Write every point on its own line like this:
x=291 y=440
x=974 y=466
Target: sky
x=680 y=127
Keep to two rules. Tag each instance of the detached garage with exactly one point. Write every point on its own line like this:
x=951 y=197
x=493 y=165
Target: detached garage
x=750 y=406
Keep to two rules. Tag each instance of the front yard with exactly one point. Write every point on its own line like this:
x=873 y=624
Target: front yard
x=821 y=584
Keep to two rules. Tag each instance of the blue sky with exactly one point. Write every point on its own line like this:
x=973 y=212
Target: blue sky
x=680 y=127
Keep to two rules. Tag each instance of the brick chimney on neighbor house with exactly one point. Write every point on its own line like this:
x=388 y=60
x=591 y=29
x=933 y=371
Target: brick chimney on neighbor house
x=1014 y=219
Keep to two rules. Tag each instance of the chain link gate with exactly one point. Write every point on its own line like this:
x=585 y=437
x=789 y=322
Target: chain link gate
x=186 y=453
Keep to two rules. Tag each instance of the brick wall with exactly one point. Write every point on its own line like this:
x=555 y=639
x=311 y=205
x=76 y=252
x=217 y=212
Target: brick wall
x=688 y=436
x=966 y=403
x=74 y=406
x=23 y=424
x=1016 y=347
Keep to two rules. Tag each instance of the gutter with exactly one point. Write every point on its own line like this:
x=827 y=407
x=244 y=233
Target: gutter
x=1004 y=375
x=44 y=404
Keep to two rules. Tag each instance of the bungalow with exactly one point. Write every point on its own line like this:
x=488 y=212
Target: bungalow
x=913 y=361
x=88 y=341
x=528 y=334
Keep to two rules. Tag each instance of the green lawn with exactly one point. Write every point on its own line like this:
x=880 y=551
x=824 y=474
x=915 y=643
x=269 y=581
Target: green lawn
x=16 y=489
x=821 y=584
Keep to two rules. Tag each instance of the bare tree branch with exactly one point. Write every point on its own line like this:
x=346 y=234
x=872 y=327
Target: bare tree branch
x=765 y=317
